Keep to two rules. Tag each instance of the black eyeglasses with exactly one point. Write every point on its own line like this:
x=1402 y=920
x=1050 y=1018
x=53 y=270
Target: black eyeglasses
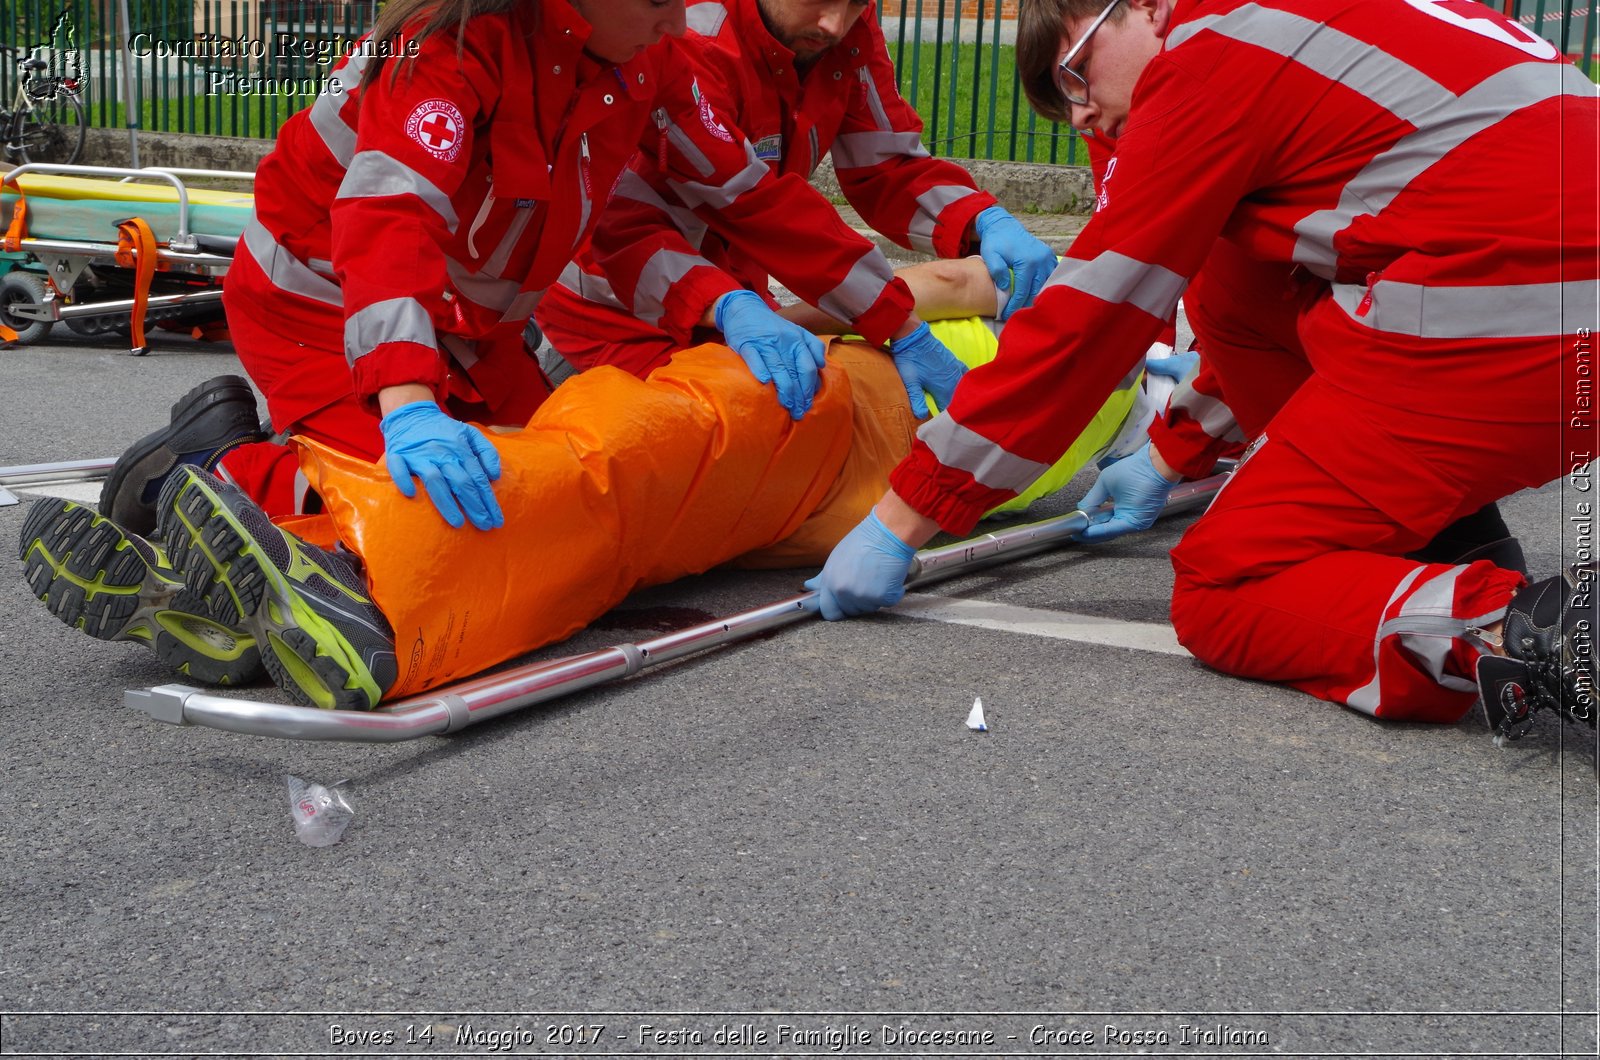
x=1069 y=82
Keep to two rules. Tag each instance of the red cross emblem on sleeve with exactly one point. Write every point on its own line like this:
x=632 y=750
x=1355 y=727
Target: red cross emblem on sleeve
x=438 y=126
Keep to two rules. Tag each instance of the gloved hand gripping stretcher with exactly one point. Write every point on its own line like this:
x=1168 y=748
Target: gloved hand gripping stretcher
x=88 y=246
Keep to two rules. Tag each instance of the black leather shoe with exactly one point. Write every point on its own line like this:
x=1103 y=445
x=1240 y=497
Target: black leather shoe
x=1549 y=663
x=1481 y=535
x=207 y=422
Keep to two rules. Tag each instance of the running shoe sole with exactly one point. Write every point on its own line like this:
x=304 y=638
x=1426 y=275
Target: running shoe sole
x=93 y=577
x=319 y=641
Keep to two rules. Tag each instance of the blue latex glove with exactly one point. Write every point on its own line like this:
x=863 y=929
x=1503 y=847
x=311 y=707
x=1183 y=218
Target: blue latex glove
x=865 y=571
x=925 y=363
x=1178 y=367
x=454 y=460
x=1138 y=490
x=1010 y=252
x=777 y=351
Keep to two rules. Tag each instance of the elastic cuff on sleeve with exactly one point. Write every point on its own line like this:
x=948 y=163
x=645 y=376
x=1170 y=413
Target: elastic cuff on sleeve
x=951 y=498
x=950 y=235
x=1185 y=447
x=396 y=364
x=689 y=299
x=879 y=323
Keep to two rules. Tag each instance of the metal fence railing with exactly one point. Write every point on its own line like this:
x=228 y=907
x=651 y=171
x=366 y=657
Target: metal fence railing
x=241 y=67
x=223 y=67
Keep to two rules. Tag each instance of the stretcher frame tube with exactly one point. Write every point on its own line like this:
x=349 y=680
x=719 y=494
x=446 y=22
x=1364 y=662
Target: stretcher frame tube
x=477 y=699
x=193 y=260
x=61 y=471
x=54 y=309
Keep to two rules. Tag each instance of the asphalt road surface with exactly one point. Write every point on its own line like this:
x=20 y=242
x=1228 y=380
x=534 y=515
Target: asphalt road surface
x=791 y=846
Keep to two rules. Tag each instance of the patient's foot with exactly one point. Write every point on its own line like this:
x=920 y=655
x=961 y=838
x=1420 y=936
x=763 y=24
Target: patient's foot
x=322 y=638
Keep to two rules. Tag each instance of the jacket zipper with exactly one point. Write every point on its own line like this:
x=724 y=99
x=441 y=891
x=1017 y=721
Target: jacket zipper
x=1366 y=300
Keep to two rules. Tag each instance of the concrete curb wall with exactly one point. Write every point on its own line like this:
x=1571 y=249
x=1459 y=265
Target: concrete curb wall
x=1020 y=186
x=109 y=147
x=1025 y=187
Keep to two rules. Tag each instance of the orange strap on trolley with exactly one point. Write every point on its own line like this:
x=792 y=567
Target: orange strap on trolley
x=136 y=249
x=18 y=229
x=11 y=242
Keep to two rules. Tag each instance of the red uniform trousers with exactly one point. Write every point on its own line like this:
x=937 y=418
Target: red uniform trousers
x=302 y=372
x=1296 y=573
x=588 y=337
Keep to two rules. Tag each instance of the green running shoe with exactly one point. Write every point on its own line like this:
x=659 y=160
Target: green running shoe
x=95 y=576
x=322 y=638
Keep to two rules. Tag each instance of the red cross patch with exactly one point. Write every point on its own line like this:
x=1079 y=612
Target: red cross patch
x=438 y=126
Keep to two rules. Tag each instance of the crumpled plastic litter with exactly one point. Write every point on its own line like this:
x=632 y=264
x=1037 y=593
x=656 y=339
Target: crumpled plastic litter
x=975 y=719
x=321 y=814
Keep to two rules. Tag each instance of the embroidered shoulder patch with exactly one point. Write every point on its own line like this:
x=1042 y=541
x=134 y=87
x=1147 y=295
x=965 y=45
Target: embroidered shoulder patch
x=438 y=126
x=707 y=118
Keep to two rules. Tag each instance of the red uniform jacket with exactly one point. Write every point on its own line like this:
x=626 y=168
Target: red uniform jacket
x=416 y=222
x=1363 y=140
x=655 y=268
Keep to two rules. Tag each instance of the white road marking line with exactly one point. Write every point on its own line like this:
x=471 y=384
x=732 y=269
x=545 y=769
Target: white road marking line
x=1058 y=625
x=86 y=493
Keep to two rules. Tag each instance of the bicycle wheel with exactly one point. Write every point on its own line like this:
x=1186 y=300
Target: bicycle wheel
x=52 y=131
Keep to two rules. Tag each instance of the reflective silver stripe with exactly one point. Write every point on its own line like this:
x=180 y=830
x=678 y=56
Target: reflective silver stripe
x=496 y=265
x=591 y=287
x=930 y=204
x=481 y=289
x=463 y=351
x=373 y=174
x=706 y=19
x=637 y=189
x=859 y=150
x=392 y=320
x=287 y=272
x=523 y=305
x=874 y=102
x=863 y=286
x=1215 y=418
x=1119 y=279
x=338 y=136
x=1426 y=627
x=1337 y=56
x=697 y=158
x=665 y=268
x=966 y=450
x=1439 y=131
x=1442 y=119
x=721 y=196
x=1512 y=311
